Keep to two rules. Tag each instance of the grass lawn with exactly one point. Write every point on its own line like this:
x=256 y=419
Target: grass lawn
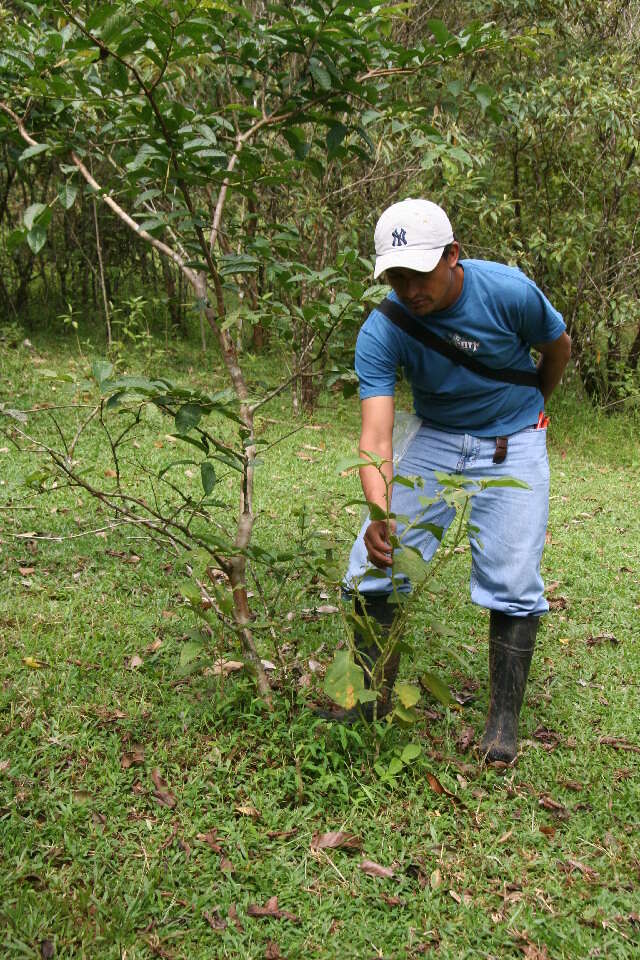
x=146 y=812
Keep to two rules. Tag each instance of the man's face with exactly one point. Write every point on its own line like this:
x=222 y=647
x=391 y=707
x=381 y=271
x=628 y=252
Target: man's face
x=425 y=293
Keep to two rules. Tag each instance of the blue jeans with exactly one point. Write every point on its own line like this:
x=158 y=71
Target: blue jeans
x=505 y=572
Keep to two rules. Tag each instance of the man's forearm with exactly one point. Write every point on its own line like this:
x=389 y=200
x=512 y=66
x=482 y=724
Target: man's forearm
x=374 y=487
x=376 y=484
x=554 y=359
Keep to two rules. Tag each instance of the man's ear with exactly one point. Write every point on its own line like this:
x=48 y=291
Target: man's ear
x=454 y=254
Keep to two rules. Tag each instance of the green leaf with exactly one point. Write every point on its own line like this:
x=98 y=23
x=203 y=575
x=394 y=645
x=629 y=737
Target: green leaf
x=367 y=696
x=408 y=694
x=395 y=767
x=439 y=30
x=100 y=15
x=376 y=512
x=433 y=528
x=320 y=74
x=101 y=370
x=335 y=136
x=408 y=562
x=404 y=481
x=32 y=213
x=198 y=442
x=296 y=139
x=37 y=237
x=376 y=293
x=208 y=476
x=33 y=151
x=350 y=463
x=188 y=416
x=188 y=652
x=36 y=478
x=441 y=629
x=505 y=482
x=438 y=689
x=191 y=592
x=68 y=194
x=456 y=480
x=411 y=752
x=406 y=715
x=344 y=680
x=15 y=239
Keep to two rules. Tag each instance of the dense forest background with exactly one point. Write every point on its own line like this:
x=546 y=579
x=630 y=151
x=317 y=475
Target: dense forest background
x=252 y=147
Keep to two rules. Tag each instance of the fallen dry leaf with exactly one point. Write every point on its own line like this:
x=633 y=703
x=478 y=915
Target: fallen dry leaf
x=556 y=808
x=232 y=913
x=174 y=833
x=4 y=765
x=109 y=716
x=619 y=743
x=271 y=909
x=225 y=667
x=153 y=646
x=110 y=473
x=392 y=901
x=548 y=831
x=465 y=739
x=25 y=571
x=435 y=880
x=571 y=785
x=210 y=838
x=334 y=840
x=281 y=834
x=161 y=794
x=570 y=865
x=226 y=866
x=533 y=952
x=214 y=920
x=272 y=951
x=248 y=811
x=133 y=757
x=601 y=638
x=46 y=949
x=437 y=787
x=135 y=662
x=550 y=738
x=373 y=869
x=33 y=663
x=558 y=603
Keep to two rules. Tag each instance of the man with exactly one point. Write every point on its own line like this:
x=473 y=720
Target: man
x=473 y=423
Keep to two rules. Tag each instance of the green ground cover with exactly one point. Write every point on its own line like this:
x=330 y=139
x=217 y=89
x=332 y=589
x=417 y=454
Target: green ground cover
x=144 y=813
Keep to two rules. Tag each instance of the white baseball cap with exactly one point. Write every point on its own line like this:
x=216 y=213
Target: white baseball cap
x=412 y=233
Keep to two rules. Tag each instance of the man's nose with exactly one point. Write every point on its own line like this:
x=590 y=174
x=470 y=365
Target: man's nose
x=413 y=286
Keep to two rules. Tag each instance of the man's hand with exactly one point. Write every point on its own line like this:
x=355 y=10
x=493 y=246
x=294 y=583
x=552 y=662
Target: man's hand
x=376 y=540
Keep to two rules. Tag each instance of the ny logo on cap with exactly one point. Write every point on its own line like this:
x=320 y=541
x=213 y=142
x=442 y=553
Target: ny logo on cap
x=399 y=237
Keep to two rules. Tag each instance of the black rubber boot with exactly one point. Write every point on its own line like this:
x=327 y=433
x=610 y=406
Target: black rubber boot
x=383 y=613
x=511 y=643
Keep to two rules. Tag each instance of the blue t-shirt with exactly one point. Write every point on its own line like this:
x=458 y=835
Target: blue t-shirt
x=498 y=316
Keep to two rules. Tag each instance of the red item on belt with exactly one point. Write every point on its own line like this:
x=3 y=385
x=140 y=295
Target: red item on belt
x=543 y=421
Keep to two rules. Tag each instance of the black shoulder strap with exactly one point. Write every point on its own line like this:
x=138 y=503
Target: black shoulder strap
x=398 y=315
